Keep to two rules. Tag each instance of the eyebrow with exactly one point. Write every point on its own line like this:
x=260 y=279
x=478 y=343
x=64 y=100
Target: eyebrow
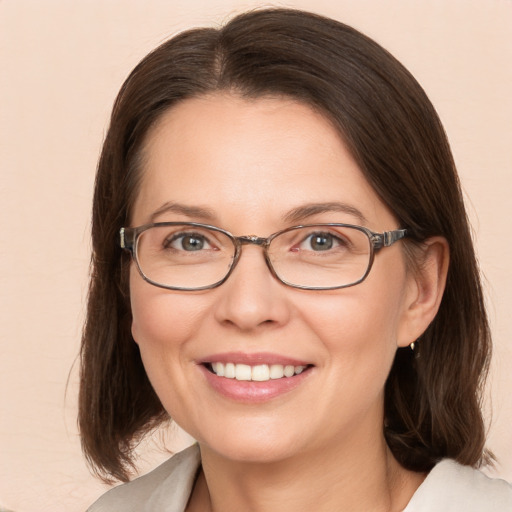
x=194 y=212
x=298 y=214
x=309 y=210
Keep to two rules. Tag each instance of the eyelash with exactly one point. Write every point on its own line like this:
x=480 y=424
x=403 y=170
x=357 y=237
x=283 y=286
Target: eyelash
x=181 y=236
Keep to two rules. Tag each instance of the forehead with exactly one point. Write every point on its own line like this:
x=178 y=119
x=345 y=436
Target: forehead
x=248 y=159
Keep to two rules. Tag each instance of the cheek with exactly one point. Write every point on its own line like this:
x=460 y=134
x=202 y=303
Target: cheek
x=353 y=330
x=162 y=320
x=358 y=318
x=164 y=326
x=358 y=327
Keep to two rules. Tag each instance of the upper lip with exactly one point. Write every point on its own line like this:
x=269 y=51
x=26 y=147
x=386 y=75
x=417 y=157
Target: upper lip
x=253 y=359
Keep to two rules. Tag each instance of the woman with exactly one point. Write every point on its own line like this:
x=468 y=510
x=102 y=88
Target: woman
x=337 y=366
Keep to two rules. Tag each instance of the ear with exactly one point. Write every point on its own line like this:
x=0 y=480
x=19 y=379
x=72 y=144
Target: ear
x=425 y=289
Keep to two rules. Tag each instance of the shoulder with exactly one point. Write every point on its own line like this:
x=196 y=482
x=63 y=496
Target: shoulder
x=453 y=487
x=167 y=487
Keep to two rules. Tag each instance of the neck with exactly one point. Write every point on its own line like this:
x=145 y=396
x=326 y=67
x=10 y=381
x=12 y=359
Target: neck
x=350 y=478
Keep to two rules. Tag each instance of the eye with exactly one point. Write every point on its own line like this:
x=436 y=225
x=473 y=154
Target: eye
x=320 y=242
x=187 y=242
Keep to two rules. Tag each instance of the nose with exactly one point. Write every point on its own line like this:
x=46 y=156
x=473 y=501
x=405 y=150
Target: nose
x=252 y=298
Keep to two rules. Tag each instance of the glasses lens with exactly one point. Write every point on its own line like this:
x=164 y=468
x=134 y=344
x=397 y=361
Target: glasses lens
x=184 y=256
x=321 y=256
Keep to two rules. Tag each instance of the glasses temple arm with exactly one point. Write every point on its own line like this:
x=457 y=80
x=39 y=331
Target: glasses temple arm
x=126 y=236
x=387 y=238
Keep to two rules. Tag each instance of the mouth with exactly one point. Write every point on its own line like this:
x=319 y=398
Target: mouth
x=255 y=373
x=254 y=378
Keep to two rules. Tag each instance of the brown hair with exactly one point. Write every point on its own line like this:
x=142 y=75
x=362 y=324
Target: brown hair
x=432 y=402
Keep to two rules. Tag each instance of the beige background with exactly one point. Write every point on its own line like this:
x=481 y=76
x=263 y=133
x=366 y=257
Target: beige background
x=61 y=64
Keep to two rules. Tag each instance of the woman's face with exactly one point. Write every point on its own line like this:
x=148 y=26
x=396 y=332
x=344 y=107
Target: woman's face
x=245 y=166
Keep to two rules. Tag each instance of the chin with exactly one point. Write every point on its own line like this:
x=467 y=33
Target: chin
x=253 y=443
x=252 y=452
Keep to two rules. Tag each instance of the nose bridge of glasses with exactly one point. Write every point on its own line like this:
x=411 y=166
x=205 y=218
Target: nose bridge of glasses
x=252 y=240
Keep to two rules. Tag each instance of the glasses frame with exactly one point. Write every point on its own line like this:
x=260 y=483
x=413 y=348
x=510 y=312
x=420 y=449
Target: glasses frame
x=128 y=240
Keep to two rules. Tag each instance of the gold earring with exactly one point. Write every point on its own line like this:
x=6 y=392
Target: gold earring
x=413 y=347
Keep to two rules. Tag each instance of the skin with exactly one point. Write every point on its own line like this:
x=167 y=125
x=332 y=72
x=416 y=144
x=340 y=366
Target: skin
x=320 y=446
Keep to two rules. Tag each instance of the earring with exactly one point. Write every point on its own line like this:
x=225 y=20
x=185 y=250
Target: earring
x=415 y=349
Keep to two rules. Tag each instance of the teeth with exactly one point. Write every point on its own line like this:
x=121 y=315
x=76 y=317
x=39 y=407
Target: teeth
x=259 y=373
x=218 y=368
x=242 y=372
x=277 y=371
x=289 y=371
x=229 y=370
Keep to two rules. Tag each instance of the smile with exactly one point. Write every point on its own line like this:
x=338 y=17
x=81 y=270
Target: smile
x=258 y=373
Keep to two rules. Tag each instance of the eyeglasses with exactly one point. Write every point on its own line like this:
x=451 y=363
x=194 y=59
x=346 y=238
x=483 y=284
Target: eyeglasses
x=189 y=256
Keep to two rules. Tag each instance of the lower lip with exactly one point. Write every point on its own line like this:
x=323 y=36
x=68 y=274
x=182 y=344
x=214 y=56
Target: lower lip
x=252 y=391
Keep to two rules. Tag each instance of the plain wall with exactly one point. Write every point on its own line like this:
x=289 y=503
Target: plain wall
x=61 y=64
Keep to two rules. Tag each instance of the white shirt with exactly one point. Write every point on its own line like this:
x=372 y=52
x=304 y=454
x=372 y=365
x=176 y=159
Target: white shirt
x=449 y=487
